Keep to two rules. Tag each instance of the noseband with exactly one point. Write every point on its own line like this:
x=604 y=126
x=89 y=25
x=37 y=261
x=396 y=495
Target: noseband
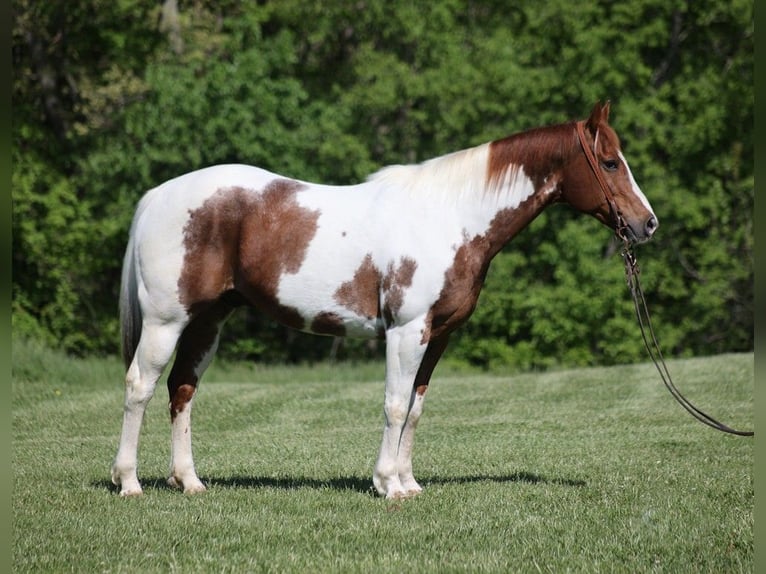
x=632 y=272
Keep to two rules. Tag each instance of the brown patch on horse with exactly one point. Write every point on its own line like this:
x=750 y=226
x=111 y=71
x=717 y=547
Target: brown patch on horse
x=276 y=233
x=538 y=152
x=246 y=240
x=181 y=396
x=360 y=294
x=196 y=340
x=433 y=353
x=328 y=323
x=542 y=154
x=211 y=237
x=462 y=283
x=395 y=281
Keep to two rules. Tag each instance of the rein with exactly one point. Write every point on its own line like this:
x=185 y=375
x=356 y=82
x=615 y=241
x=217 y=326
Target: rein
x=632 y=272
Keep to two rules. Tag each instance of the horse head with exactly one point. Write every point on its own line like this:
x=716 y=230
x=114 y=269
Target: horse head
x=598 y=181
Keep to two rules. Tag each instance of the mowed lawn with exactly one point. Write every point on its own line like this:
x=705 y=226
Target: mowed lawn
x=589 y=470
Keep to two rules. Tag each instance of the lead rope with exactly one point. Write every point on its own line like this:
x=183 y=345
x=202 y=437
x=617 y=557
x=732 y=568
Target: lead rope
x=632 y=272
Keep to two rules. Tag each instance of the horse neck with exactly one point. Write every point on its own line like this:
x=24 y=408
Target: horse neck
x=496 y=188
x=503 y=185
x=526 y=172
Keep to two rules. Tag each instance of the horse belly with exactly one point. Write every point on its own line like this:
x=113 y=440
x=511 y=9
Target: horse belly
x=335 y=293
x=359 y=278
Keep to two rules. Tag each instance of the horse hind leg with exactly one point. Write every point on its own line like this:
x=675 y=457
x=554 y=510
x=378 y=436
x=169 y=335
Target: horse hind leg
x=196 y=349
x=152 y=354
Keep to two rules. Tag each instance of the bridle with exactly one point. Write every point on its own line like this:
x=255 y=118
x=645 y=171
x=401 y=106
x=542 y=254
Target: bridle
x=620 y=227
x=632 y=273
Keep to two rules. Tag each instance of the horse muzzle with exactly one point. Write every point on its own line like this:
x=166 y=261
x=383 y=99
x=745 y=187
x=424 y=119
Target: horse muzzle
x=638 y=231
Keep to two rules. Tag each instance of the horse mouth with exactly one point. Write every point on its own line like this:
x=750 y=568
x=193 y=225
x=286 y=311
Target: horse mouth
x=629 y=236
x=633 y=233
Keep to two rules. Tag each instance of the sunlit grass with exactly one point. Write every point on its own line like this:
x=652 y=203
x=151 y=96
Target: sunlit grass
x=592 y=470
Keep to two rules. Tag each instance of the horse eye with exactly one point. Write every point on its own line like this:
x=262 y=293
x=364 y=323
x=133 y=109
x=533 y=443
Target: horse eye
x=610 y=164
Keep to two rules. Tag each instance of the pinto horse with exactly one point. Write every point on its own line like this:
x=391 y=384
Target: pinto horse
x=400 y=257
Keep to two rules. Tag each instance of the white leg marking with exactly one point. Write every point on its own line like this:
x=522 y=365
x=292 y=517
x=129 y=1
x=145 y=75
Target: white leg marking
x=404 y=458
x=182 y=472
x=404 y=352
x=153 y=352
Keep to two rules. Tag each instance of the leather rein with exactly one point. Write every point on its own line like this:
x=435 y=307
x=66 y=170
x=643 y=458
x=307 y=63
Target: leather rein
x=632 y=273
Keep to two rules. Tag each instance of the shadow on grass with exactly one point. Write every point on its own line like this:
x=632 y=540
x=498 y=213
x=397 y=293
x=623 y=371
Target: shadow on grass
x=350 y=483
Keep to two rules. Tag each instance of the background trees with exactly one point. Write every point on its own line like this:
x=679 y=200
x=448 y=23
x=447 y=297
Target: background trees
x=112 y=98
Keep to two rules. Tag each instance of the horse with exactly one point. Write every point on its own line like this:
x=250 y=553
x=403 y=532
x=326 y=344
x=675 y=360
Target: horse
x=401 y=257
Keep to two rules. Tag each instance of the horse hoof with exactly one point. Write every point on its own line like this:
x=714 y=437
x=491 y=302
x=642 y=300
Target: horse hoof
x=129 y=493
x=128 y=487
x=195 y=489
x=402 y=494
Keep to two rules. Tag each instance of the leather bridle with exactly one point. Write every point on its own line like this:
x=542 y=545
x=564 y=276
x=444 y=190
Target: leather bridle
x=620 y=227
x=632 y=272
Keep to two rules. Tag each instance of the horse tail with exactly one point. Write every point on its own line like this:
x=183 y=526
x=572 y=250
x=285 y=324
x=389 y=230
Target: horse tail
x=131 y=317
x=130 y=309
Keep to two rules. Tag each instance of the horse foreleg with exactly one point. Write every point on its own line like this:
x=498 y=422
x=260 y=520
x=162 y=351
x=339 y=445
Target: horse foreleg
x=152 y=354
x=404 y=352
x=404 y=459
x=404 y=455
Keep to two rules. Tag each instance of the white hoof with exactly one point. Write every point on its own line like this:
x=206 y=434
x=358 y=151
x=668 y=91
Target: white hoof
x=195 y=489
x=131 y=492
x=173 y=483
x=403 y=494
x=194 y=486
x=411 y=486
x=128 y=486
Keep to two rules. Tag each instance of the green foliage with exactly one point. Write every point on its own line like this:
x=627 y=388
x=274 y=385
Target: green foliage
x=112 y=99
x=53 y=270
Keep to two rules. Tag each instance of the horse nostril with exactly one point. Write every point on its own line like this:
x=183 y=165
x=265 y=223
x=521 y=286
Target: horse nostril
x=651 y=225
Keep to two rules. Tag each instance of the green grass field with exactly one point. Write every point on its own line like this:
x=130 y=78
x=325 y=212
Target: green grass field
x=590 y=470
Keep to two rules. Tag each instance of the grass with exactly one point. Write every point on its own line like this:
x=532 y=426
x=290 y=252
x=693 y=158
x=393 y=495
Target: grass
x=590 y=470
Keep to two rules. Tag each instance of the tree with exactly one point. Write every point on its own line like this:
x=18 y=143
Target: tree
x=110 y=100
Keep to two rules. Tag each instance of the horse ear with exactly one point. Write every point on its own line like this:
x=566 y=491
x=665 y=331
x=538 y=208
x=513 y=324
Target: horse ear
x=605 y=112
x=598 y=115
x=594 y=119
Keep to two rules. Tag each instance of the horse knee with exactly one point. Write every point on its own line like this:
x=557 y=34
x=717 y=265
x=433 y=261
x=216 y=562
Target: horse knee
x=396 y=411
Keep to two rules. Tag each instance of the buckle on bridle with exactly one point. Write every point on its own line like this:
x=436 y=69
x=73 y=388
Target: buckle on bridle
x=621 y=229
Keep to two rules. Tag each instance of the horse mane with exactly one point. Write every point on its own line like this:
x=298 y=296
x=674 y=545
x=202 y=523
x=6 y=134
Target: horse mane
x=451 y=175
x=538 y=150
x=488 y=169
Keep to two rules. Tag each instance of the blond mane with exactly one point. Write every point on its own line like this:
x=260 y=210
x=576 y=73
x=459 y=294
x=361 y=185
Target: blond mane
x=451 y=175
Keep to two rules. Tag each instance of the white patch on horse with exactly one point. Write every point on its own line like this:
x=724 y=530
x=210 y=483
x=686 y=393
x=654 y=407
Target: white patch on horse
x=515 y=187
x=636 y=189
x=550 y=185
